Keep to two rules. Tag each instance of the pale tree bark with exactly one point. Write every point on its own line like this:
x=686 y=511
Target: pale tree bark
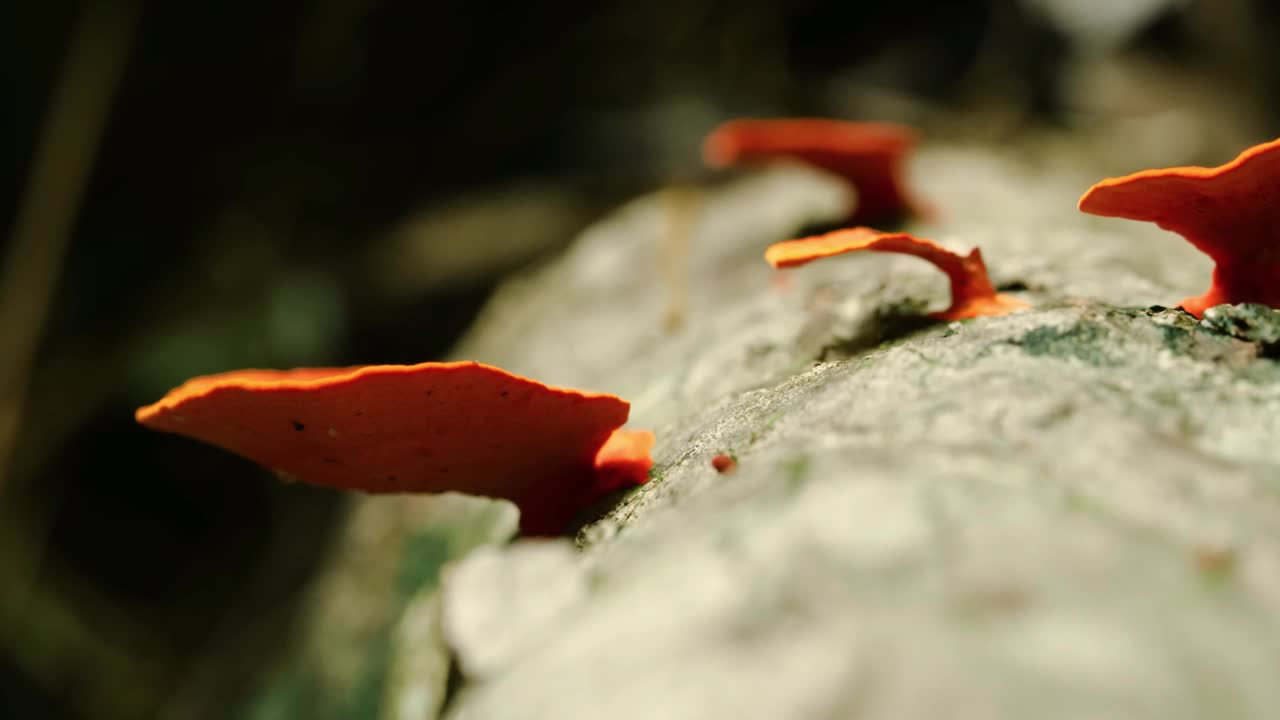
x=1067 y=512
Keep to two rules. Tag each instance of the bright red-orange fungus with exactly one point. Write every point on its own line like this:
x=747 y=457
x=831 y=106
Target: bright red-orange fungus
x=972 y=294
x=433 y=427
x=870 y=156
x=724 y=463
x=624 y=460
x=1230 y=213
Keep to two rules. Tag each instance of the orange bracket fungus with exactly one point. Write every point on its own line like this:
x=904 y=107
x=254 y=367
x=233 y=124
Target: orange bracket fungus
x=870 y=156
x=972 y=294
x=433 y=427
x=624 y=460
x=1229 y=213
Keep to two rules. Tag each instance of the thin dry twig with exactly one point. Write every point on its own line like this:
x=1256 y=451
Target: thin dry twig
x=60 y=171
x=682 y=203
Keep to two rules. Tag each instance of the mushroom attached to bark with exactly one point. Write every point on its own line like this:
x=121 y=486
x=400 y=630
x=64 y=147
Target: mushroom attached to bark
x=870 y=156
x=1230 y=213
x=624 y=460
x=972 y=294
x=432 y=427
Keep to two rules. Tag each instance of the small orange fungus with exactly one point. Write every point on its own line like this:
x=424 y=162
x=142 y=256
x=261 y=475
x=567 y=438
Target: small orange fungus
x=1230 y=213
x=624 y=460
x=972 y=294
x=870 y=156
x=724 y=463
x=432 y=427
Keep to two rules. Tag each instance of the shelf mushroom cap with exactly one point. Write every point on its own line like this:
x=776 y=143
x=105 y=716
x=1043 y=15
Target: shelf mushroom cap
x=972 y=294
x=432 y=427
x=1230 y=213
x=870 y=156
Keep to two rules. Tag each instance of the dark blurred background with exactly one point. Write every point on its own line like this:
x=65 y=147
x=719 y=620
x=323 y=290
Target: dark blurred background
x=187 y=188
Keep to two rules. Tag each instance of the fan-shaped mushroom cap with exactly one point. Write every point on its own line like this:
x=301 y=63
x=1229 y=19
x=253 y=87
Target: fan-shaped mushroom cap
x=972 y=294
x=433 y=427
x=870 y=156
x=1230 y=213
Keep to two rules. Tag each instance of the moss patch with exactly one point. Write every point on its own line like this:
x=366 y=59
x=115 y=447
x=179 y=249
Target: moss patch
x=1083 y=341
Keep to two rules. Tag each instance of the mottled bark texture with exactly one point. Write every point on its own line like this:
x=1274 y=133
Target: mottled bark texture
x=1072 y=511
